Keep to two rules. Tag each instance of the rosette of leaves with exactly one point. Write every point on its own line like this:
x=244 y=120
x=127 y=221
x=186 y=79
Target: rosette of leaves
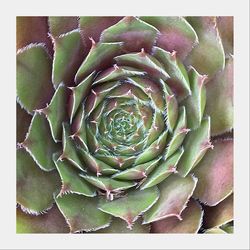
x=114 y=123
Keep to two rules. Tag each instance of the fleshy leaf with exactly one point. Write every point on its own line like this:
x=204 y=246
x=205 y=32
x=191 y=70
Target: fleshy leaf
x=62 y=24
x=162 y=171
x=208 y=56
x=220 y=214
x=215 y=230
x=132 y=205
x=82 y=213
x=67 y=58
x=220 y=100
x=175 y=192
x=190 y=223
x=39 y=144
x=213 y=187
x=195 y=145
x=35 y=187
x=176 y=34
x=50 y=222
x=33 y=77
x=135 y=34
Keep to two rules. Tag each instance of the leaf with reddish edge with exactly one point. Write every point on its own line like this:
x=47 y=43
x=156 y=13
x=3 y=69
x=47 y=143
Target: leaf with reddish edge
x=92 y=27
x=23 y=120
x=208 y=56
x=33 y=77
x=82 y=213
x=100 y=57
x=225 y=27
x=220 y=100
x=215 y=174
x=175 y=192
x=71 y=181
x=79 y=93
x=39 y=143
x=50 y=222
x=119 y=226
x=220 y=214
x=132 y=205
x=190 y=223
x=62 y=24
x=31 y=29
x=135 y=34
x=67 y=57
x=196 y=101
x=196 y=143
x=30 y=179
x=176 y=34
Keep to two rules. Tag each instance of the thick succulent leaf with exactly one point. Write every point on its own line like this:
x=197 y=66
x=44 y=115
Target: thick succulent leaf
x=67 y=58
x=62 y=24
x=35 y=187
x=220 y=214
x=195 y=103
x=208 y=56
x=195 y=145
x=119 y=226
x=23 y=120
x=135 y=34
x=162 y=171
x=80 y=92
x=71 y=180
x=228 y=228
x=175 y=192
x=39 y=143
x=56 y=112
x=33 y=77
x=92 y=27
x=176 y=34
x=50 y=222
x=31 y=29
x=220 y=100
x=82 y=213
x=225 y=27
x=190 y=223
x=215 y=230
x=178 y=81
x=132 y=205
x=100 y=57
x=215 y=174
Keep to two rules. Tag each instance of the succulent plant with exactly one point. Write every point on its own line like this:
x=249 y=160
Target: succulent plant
x=124 y=124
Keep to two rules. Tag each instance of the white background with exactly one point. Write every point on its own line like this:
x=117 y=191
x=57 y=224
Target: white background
x=10 y=9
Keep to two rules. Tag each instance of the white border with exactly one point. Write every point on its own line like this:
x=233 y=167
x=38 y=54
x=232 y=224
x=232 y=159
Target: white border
x=239 y=9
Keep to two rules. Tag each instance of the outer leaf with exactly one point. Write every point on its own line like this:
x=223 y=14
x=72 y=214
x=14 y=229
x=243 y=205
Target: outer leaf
x=215 y=174
x=175 y=192
x=220 y=100
x=50 y=222
x=81 y=213
x=131 y=206
x=33 y=78
x=215 y=230
x=37 y=142
x=190 y=223
x=35 y=187
x=176 y=34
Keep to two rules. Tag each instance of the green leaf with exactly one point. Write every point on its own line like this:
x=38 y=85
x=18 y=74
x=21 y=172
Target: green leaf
x=132 y=205
x=175 y=192
x=33 y=77
x=82 y=213
x=135 y=34
x=196 y=143
x=67 y=57
x=39 y=143
x=35 y=187
x=50 y=222
x=213 y=187
x=190 y=223
x=215 y=231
